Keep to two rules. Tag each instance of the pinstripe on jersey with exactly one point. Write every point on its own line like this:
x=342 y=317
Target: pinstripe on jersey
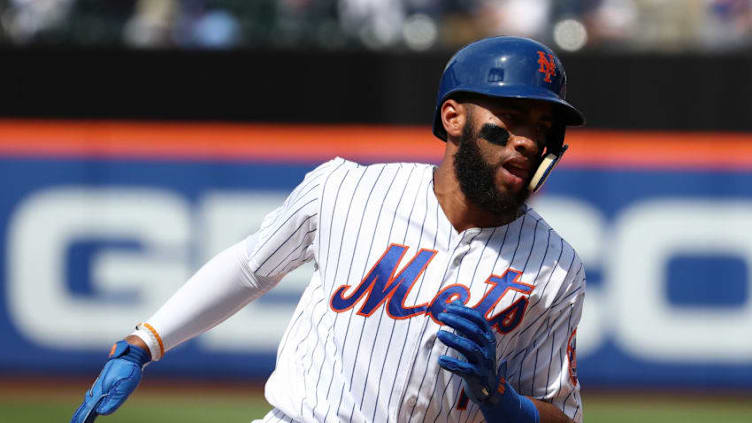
x=336 y=363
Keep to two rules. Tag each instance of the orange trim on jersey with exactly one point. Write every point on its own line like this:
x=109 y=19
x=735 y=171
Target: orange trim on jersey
x=500 y=326
x=572 y=359
x=314 y=143
x=462 y=400
x=156 y=335
x=455 y=296
x=388 y=294
x=342 y=289
x=407 y=293
x=503 y=293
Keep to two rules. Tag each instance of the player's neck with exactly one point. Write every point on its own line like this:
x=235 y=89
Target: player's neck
x=462 y=214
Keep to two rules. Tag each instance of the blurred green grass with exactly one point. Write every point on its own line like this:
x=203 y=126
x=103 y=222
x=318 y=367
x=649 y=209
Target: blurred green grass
x=141 y=410
x=225 y=405
x=666 y=408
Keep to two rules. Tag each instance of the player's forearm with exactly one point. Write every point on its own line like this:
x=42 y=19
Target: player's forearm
x=549 y=413
x=217 y=291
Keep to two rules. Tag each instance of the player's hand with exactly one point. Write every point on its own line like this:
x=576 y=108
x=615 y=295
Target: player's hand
x=484 y=384
x=475 y=340
x=120 y=376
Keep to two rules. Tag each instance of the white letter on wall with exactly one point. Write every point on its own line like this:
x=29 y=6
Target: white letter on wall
x=42 y=229
x=646 y=237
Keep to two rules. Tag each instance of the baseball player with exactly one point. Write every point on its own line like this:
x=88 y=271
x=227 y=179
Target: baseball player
x=437 y=295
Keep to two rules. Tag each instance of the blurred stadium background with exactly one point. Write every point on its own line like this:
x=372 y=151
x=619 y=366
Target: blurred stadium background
x=138 y=138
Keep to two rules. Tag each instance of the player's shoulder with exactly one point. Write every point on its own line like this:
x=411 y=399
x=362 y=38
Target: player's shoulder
x=564 y=273
x=542 y=228
x=324 y=171
x=385 y=165
x=333 y=165
x=350 y=170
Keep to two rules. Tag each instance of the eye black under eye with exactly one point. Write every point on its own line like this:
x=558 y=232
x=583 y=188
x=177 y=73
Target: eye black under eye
x=494 y=134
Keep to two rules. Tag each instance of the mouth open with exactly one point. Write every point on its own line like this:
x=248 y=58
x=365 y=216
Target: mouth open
x=516 y=173
x=520 y=171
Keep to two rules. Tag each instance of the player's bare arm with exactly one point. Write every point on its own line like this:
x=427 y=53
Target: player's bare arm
x=135 y=340
x=549 y=413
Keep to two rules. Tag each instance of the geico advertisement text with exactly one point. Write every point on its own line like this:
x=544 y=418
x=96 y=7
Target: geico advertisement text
x=94 y=243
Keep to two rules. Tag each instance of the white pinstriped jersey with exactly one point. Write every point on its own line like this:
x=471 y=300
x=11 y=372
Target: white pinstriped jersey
x=361 y=345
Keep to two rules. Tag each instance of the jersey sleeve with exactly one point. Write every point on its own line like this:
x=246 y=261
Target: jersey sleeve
x=243 y=272
x=549 y=368
x=285 y=239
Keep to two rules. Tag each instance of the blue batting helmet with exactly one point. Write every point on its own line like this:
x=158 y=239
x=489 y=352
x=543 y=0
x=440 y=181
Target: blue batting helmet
x=509 y=67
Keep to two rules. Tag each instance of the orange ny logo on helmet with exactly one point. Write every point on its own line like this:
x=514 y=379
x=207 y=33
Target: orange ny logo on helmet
x=547 y=65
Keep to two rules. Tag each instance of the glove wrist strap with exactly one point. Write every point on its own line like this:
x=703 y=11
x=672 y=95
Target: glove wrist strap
x=151 y=338
x=128 y=352
x=506 y=405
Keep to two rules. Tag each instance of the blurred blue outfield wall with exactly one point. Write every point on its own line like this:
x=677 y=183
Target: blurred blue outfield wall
x=93 y=243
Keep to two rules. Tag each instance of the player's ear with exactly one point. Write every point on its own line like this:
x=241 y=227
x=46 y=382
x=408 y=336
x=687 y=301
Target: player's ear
x=453 y=115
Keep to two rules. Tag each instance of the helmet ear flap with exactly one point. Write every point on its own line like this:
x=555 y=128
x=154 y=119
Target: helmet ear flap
x=545 y=167
x=555 y=149
x=555 y=139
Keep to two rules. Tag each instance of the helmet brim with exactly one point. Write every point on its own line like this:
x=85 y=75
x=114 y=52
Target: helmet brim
x=569 y=115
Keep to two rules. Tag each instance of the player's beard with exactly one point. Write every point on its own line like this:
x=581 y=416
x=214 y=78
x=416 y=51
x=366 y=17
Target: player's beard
x=477 y=178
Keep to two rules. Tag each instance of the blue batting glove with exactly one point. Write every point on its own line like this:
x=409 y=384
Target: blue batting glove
x=484 y=383
x=120 y=376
